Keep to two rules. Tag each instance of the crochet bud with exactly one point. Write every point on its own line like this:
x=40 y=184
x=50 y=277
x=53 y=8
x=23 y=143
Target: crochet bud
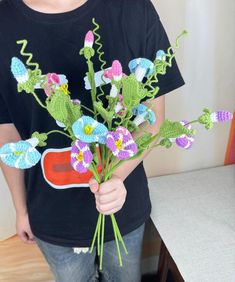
x=19 y=70
x=221 y=116
x=89 y=39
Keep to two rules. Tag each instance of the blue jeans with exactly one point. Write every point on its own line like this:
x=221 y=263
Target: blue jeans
x=68 y=266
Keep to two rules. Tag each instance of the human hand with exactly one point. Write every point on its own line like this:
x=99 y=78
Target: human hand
x=23 y=229
x=110 y=195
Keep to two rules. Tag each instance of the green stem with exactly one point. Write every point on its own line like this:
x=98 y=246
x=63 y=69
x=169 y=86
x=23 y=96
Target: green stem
x=38 y=100
x=87 y=109
x=58 y=131
x=119 y=234
x=112 y=169
x=95 y=235
x=117 y=243
x=91 y=77
x=98 y=239
x=193 y=121
x=93 y=169
x=102 y=241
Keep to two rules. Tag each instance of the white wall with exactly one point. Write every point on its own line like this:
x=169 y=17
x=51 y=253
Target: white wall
x=206 y=61
x=7 y=212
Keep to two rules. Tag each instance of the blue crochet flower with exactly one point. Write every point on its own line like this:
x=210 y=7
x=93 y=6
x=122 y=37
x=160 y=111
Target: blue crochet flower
x=19 y=70
x=21 y=155
x=89 y=130
x=161 y=55
x=143 y=113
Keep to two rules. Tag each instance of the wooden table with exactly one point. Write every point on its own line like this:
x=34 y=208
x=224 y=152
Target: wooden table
x=194 y=213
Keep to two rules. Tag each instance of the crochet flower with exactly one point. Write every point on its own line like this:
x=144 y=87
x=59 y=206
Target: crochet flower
x=89 y=39
x=161 y=55
x=117 y=75
x=81 y=156
x=52 y=80
x=141 y=67
x=209 y=118
x=89 y=130
x=121 y=143
x=21 y=155
x=221 y=116
x=120 y=107
x=87 y=51
x=184 y=141
x=19 y=70
x=143 y=113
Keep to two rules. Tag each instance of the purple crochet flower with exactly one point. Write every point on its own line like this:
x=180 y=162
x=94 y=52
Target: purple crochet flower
x=185 y=141
x=81 y=156
x=221 y=116
x=121 y=143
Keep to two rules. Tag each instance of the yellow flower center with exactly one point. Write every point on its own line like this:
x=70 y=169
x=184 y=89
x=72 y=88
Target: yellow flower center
x=64 y=88
x=18 y=153
x=119 y=144
x=88 y=129
x=79 y=157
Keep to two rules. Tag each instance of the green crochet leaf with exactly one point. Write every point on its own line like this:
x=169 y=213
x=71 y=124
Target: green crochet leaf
x=131 y=92
x=42 y=137
x=106 y=115
x=62 y=109
x=171 y=129
x=29 y=85
x=144 y=141
x=205 y=119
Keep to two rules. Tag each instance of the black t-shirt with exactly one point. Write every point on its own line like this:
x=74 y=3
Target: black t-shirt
x=58 y=213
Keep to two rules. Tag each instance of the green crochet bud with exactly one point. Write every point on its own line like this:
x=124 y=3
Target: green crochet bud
x=205 y=119
x=42 y=137
x=171 y=129
x=87 y=52
x=166 y=143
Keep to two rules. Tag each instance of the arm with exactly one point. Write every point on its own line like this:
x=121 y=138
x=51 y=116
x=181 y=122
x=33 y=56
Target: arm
x=15 y=180
x=111 y=195
x=158 y=106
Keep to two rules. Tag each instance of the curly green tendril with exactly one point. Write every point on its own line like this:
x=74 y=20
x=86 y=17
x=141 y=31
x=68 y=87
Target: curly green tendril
x=29 y=62
x=100 y=55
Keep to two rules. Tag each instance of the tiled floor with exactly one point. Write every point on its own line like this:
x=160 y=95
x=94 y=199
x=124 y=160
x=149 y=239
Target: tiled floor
x=20 y=262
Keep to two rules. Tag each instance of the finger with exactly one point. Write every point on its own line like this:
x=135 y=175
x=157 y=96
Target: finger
x=112 y=211
x=94 y=185
x=106 y=188
x=104 y=208
x=31 y=237
x=106 y=198
x=23 y=236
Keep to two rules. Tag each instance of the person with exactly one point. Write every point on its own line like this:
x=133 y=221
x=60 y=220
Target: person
x=59 y=217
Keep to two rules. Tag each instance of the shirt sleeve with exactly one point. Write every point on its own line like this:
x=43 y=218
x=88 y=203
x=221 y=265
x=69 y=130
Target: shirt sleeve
x=4 y=114
x=157 y=39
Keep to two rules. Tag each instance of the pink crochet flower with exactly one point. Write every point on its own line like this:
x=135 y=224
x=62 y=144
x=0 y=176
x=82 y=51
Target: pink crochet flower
x=52 y=79
x=115 y=72
x=121 y=143
x=89 y=39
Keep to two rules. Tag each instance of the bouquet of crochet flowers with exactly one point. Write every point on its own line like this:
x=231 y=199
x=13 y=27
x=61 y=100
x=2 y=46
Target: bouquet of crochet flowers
x=102 y=140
